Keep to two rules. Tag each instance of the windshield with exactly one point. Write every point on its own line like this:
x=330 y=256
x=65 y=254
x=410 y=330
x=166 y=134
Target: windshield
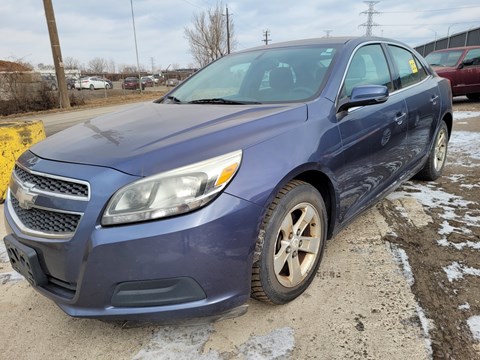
x=259 y=76
x=444 y=58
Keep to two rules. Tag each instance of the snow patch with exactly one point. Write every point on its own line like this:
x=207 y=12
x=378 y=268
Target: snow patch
x=3 y=253
x=464 y=144
x=474 y=324
x=426 y=327
x=465 y=306
x=435 y=197
x=185 y=343
x=276 y=345
x=460 y=115
x=178 y=343
x=459 y=246
x=455 y=271
x=401 y=258
x=11 y=276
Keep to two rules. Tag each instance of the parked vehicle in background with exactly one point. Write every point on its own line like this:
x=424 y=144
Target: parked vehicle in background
x=230 y=185
x=93 y=83
x=132 y=83
x=147 y=81
x=108 y=83
x=157 y=78
x=70 y=83
x=172 y=82
x=50 y=82
x=461 y=66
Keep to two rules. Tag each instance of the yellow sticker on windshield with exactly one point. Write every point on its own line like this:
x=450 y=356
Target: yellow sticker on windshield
x=413 y=66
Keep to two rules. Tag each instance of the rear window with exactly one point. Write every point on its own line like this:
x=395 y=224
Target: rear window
x=409 y=68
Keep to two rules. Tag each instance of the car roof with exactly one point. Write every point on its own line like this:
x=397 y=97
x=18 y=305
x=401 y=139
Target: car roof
x=324 y=41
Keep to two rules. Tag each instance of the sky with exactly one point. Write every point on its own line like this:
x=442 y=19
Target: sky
x=103 y=28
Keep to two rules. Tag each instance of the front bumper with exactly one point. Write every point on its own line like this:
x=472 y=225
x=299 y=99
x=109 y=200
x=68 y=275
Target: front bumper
x=189 y=266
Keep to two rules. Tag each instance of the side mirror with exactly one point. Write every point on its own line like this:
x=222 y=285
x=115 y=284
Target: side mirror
x=466 y=63
x=364 y=95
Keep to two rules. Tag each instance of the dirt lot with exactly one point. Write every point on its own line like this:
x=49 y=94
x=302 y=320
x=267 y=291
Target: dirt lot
x=402 y=282
x=444 y=254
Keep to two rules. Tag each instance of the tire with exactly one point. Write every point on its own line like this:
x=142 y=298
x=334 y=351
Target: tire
x=473 y=97
x=289 y=250
x=107 y=86
x=92 y=87
x=438 y=155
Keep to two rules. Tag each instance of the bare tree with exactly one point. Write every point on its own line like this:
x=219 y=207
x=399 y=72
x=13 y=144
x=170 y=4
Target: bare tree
x=97 y=65
x=71 y=63
x=208 y=37
x=111 y=66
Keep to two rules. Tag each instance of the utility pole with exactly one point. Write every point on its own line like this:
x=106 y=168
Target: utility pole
x=228 y=32
x=370 y=12
x=152 y=60
x=266 y=38
x=136 y=48
x=57 y=54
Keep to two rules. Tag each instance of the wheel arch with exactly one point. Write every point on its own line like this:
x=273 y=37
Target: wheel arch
x=320 y=181
x=448 y=118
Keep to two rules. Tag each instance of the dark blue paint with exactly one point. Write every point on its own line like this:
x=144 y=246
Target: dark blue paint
x=364 y=154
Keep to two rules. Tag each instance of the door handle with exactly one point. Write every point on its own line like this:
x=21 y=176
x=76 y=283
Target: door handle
x=400 y=117
x=434 y=99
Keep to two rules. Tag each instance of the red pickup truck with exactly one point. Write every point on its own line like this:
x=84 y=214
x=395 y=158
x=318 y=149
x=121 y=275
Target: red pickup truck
x=461 y=66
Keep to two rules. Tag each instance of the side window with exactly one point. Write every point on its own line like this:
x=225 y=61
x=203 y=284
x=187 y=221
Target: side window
x=410 y=69
x=473 y=56
x=367 y=67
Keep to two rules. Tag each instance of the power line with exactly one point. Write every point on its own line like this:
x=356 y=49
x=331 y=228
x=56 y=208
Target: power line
x=419 y=11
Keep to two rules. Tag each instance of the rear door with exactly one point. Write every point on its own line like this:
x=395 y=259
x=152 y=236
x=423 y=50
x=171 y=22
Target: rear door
x=374 y=137
x=422 y=97
x=470 y=72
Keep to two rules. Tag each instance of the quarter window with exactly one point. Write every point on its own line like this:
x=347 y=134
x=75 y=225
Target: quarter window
x=410 y=69
x=368 y=67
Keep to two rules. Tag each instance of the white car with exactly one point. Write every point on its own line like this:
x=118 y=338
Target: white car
x=92 y=83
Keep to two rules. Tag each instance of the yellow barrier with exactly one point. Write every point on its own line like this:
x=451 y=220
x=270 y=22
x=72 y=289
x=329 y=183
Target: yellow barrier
x=15 y=138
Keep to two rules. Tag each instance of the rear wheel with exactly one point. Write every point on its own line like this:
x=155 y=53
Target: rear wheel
x=290 y=245
x=438 y=155
x=92 y=87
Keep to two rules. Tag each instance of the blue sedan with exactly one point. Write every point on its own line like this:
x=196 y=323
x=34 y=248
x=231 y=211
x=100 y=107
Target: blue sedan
x=230 y=185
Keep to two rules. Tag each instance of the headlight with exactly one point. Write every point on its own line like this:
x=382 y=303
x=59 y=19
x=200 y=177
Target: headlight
x=171 y=193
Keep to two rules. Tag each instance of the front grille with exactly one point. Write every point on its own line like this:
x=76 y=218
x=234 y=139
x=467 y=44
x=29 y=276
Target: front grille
x=57 y=186
x=44 y=220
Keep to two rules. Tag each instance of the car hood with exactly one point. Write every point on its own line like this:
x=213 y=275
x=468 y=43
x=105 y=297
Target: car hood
x=151 y=138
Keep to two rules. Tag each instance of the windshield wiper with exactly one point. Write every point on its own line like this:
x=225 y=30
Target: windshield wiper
x=174 y=99
x=222 y=101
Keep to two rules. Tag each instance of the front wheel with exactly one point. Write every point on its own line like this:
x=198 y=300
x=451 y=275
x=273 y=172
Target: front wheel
x=438 y=155
x=92 y=87
x=290 y=244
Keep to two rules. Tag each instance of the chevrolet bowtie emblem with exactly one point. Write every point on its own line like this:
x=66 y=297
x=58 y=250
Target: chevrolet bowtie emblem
x=24 y=195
